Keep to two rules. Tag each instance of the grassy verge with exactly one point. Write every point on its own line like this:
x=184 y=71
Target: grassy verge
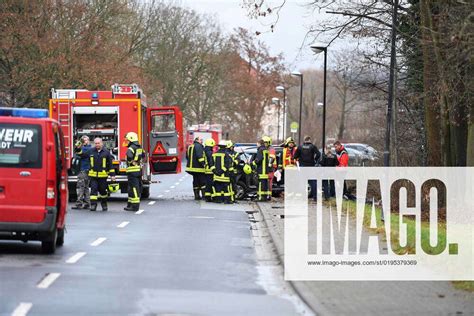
x=411 y=233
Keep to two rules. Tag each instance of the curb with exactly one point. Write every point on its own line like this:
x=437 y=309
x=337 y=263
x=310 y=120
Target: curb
x=300 y=288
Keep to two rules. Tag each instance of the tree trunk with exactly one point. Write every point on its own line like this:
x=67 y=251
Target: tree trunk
x=470 y=140
x=340 y=133
x=430 y=100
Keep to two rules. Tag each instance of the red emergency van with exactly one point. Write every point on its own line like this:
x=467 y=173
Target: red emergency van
x=33 y=178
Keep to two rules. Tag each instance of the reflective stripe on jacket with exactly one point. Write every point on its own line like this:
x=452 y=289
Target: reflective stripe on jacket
x=261 y=161
x=135 y=155
x=289 y=157
x=208 y=158
x=222 y=166
x=101 y=163
x=195 y=156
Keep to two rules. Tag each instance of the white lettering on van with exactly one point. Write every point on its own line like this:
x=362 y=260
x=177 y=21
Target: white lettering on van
x=9 y=135
x=18 y=135
x=2 y=132
x=28 y=136
x=5 y=145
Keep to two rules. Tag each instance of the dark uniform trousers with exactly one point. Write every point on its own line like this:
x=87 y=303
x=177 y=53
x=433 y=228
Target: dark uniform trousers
x=134 y=187
x=98 y=189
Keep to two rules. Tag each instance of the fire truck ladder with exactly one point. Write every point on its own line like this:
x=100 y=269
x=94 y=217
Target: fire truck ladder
x=64 y=118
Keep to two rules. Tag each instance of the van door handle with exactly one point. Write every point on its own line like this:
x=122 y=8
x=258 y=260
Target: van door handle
x=25 y=173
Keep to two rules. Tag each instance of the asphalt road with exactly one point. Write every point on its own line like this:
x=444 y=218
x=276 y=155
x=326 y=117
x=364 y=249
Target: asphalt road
x=176 y=257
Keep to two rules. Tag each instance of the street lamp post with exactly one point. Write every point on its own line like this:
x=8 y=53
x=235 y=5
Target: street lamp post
x=317 y=50
x=276 y=101
x=299 y=74
x=283 y=89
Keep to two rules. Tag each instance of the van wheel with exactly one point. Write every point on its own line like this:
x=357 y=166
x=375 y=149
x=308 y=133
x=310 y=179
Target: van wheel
x=60 y=240
x=145 y=193
x=49 y=246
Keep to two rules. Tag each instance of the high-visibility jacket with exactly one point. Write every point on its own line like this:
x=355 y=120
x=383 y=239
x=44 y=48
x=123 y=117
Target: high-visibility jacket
x=342 y=158
x=195 y=156
x=208 y=159
x=135 y=155
x=235 y=162
x=222 y=167
x=261 y=162
x=288 y=157
x=101 y=163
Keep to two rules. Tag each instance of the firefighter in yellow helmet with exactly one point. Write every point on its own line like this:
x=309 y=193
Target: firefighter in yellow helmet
x=261 y=163
x=135 y=156
x=208 y=151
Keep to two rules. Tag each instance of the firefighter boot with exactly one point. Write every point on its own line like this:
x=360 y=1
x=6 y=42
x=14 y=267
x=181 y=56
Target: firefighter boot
x=196 y=194
x=203 y=194
x=93 y=207
x=86 y=206
x=103 y=204
x=135 y=207
x=128 y=207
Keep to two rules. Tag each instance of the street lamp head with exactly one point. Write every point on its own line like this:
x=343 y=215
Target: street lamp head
x=280 y=88
x=275 y=100
x=318 y=48
x=296 y=74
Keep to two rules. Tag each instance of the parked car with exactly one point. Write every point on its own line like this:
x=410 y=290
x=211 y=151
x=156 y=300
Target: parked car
x=368 y=151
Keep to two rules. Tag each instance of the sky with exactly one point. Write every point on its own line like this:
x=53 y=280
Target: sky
x=289 y=33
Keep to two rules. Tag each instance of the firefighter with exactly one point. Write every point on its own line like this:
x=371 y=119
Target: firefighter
x=135 y=156
x=100 y=168
x=289 y=150
x=82 y=186
x=208 y=151
x=195 y=166
x=222 y=170
x=261 y=163
x=233 y=176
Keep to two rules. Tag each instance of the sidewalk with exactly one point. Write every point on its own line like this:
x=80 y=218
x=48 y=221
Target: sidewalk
x=370 y=297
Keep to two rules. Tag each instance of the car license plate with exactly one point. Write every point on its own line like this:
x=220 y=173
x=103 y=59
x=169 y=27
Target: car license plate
x=123 y=165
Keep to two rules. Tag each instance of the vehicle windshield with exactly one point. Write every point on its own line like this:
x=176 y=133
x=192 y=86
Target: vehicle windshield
x=20 y=145
x=163 y=123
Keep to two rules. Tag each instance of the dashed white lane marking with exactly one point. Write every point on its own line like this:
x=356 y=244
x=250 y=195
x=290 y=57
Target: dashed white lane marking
x=123 y=224
x=76 y=257
x=139 y=212
x=201 y=217
x=172 y=187
x=160 y=196
x=167 y=191
x=177 y=183
x=151 y=203
x=48 y=280
x=22 y=309
x=98 y=241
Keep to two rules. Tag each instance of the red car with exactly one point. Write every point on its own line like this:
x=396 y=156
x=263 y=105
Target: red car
x=33 y=178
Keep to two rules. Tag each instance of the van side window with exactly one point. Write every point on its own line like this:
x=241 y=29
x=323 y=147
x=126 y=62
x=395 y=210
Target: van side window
x=58 y=151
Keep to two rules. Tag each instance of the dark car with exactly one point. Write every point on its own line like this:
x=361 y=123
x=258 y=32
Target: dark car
x=246 y=184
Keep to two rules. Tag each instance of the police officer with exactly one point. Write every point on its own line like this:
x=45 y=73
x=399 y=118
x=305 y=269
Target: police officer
x=261 y=163
x=222 y=170
x=208 y=151
x=135 y=156
x=233 y=176
x=195 y=166
x=308 y=155
x=101 y=168
x=82 y=186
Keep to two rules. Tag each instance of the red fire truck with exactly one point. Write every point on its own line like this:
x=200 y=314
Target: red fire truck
x=204 y=131
x=110 y=115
